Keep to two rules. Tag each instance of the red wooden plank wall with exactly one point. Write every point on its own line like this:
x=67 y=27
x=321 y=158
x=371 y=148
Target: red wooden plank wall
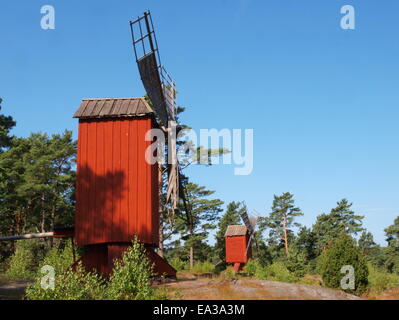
x=236 y=249
x=117 y=190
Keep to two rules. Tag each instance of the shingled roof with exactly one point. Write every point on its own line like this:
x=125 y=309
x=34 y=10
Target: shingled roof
x=112 y=107
x=235 y=230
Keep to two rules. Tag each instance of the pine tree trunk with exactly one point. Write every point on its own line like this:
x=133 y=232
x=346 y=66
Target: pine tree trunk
x=51 y=240
x=160 y=247
x=191 y=250
x=191 y=257
x=285 y=235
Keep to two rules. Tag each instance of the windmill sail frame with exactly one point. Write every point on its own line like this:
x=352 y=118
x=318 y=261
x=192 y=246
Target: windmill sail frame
x=158 y=84
x=161 y=90
x=250 y=223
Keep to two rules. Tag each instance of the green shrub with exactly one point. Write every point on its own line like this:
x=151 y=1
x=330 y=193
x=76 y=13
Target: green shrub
x=203 y=267
x=70 y=285
x=131 y=276
x=278 y=272
x=343 y=252
x=252 y=267
x=178 y=264
x=130 y=279
x=380 y=281
x=228 y=275
x=60 y=259
x=22 y=263
x=275 y=272
x=296 y=262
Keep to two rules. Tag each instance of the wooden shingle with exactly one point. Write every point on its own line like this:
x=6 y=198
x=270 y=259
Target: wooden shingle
x=112 y=107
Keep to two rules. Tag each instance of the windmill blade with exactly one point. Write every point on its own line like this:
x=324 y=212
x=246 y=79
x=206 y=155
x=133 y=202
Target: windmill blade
x=249 y=242
x=154 y=77
x=247 y=222
x=153 y=86
x=169 y=92
x=253 y=220
x=172 y=194
x=161 y=90
x=250 y=222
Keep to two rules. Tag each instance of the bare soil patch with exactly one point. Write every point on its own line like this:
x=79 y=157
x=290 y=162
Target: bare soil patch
x=12 y=290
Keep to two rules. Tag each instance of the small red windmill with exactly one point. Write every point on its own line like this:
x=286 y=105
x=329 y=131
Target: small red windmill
x=238 y=242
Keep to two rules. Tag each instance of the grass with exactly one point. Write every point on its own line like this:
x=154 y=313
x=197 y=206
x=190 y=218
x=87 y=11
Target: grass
x=203 y=267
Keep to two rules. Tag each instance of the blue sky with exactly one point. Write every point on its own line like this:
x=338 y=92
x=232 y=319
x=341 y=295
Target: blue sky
x=323 y=102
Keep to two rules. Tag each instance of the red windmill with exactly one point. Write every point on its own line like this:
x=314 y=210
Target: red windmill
x=238 y=242
x=117 y=189
x=117 y=195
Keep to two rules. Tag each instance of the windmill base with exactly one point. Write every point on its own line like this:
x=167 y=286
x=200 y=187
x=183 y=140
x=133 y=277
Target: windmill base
x=100 y=258
x=238 y=266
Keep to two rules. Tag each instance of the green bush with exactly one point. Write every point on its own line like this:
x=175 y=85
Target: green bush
x=203 y=267
x=130 y=279
x=22 y=263
x=252 y=267
x=380 y=281
x=296 y=262
x=343 y=252
x=131 y=276
x=228 y=275
x=178 y=264
x=278 y=272
x=70 y=285
x=275 y=272
x=60 y=259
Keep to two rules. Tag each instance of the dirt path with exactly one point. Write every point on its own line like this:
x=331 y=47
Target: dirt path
x=13 y=290
x=254 y=290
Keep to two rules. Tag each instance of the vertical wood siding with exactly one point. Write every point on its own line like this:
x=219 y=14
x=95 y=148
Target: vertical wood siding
x=117 y=190
x=236 y=249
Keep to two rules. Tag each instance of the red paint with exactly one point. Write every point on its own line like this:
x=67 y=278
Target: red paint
x=117 y=190
x=161 y=266
x=236 y=247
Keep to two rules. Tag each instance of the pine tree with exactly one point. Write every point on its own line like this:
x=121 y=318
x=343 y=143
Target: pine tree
x=306 y=242
x=201 y=216
x=366 y=242
x=37 y=183
x=340 y=219
x=281 y=219
x=392 y=234
x=392 y=251
x=6 y=124
x=348 y=221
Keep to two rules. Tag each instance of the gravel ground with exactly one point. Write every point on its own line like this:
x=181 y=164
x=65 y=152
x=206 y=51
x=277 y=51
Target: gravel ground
x=13 y=290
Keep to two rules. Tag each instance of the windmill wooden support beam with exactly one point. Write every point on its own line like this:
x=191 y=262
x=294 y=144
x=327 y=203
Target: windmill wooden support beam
x=57 y=233
x=28 y=236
